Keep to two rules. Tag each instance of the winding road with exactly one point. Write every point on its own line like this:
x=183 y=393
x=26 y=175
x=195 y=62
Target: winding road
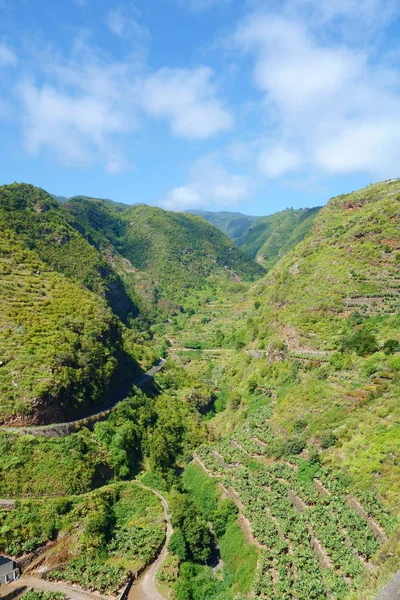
x=64 y=429
x=145 y=588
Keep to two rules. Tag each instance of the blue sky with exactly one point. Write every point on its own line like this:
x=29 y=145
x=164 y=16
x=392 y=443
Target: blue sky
x=216 y=104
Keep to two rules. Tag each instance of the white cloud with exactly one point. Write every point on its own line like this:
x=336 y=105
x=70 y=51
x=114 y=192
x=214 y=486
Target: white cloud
x=81 y=112
x=209 y=184
x=116 y=22
x=7 y=57
x=355 y=18
x=117 y=165
x=187 y=99
x=84 y=108
x=327 y=104
x=277 y=161
x=372 y=143
x=124 y=26
x=75 y=128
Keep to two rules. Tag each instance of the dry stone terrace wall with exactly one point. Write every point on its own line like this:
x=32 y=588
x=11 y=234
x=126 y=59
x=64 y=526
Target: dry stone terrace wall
x=64 y=429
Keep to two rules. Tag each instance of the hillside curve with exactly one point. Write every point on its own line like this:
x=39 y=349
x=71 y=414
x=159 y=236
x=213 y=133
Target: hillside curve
x=145 y=588
x=66 y=428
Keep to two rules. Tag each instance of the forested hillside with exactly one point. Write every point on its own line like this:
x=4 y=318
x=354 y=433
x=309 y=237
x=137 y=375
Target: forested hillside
x=182 y=253
x=306 y=413
x=81 y=284
x=60 y=341
x=234 y=224
x=165 y=259
x=264 y=239
x=273 y=428
x=270 y=238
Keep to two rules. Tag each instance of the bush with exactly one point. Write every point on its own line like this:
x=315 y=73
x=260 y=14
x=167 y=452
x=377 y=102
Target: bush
x=363 y=342
x=177 y=545
x=391 y=347
x=328 y=440
x=300 y=425
x=294 y=446
x=226 y=512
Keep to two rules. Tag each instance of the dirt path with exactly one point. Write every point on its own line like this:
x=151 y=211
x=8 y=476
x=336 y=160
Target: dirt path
x=41 y=584
x=146 y=587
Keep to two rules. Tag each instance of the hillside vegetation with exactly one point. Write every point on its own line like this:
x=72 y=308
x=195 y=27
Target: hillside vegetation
x=275 y=422
x=165 y=259
x=60 y=343
x=182 y=253
x=264 y=239
x=234 y=224
x=306 y=413
x=269 y=238
x=81 y=282
x=99 y=537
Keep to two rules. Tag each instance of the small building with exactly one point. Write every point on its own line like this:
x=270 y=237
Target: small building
x=9 y=570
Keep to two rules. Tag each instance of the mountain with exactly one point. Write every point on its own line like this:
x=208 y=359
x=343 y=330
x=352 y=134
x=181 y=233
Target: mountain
x=265 y=239
x=234 y=224
x=165 y=257
x=76 y=278
x=181 y=252
x=269 y=238
x=325 y=323
x=60 y=341
x=304 y=438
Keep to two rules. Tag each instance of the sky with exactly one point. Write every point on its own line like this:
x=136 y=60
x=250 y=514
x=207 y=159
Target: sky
x=240 y=105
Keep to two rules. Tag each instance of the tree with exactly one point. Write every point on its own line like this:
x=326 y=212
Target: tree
x=177 y=545
x=198 y=539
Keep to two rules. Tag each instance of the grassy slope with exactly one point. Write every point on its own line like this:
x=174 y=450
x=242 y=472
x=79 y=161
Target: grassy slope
x=299 y=316
x=235 y=225
x=318 y=295
x=163 y=258
x=331 y=396
x=181 y=253
x=265 y=239
x=60 y=340
x=273 y=236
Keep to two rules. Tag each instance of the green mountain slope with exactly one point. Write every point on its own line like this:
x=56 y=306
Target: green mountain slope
x=265 y=239
x=73 y=274
x=326 y=323
x=181 y=252
x=164 y=258
x=307 y=378
x=60 y=341
x=269 y=238
x=234 y=224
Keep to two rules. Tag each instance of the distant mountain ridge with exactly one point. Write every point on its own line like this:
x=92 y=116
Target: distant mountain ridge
x=234 y=224
x=264 y=239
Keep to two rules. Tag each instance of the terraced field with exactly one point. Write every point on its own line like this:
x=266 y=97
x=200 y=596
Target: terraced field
x=315 y=539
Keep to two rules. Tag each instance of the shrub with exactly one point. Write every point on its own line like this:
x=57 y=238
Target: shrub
x=177 y=545
x=328 y=440
x=362 y=342
x=294 y=446
x=391 y=347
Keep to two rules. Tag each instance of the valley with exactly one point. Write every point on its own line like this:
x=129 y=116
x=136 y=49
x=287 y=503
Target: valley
x=270 y=431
